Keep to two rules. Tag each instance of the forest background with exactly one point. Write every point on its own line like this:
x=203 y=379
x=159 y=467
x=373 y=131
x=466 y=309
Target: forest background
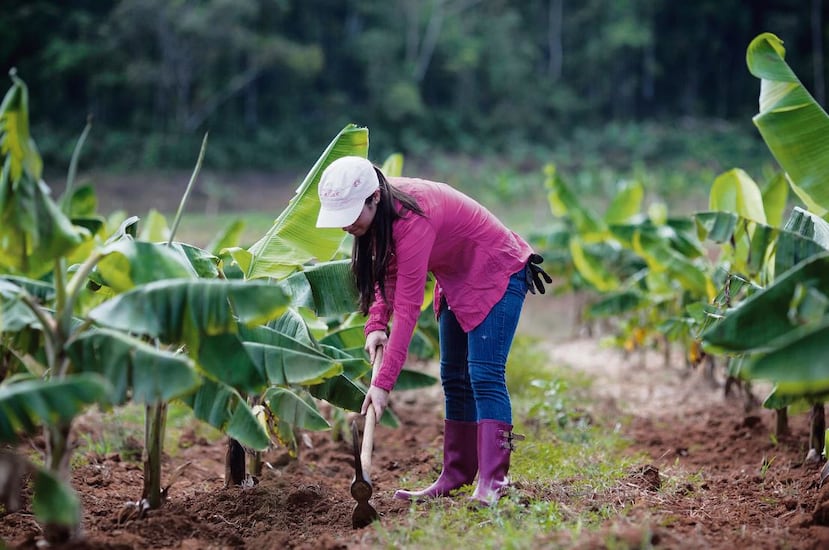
x=596 y=86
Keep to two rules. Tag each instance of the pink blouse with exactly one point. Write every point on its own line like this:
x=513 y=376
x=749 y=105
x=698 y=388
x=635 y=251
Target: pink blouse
x=468 y=250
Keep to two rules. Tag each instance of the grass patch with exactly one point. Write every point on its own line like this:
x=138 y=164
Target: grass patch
x=122 y=431
x=567 y=474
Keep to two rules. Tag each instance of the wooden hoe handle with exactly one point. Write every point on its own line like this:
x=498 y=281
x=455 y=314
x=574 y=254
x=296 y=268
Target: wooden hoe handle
x=371 y=420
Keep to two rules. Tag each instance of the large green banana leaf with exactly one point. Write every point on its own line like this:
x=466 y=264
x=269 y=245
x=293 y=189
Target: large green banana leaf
x=54 y=502
x=803 y=235
x=224 y=408
x=286 y=359
x=626 y=204
x=15 y=140
x=797 y=364
x=180 y=311
x=293 y=411
x=793 y=125
x=765 y=316
x=326 y=288
x=592 y=267
x=735 y=191
x=133 y=368
x=128 y=263
x=26 y=406
x=294 y=239
x=14 y=314
x=565 y=203
x=224 y=357
x=33 y=230
x=285 y=366
x=290 y=411
x=775 y=198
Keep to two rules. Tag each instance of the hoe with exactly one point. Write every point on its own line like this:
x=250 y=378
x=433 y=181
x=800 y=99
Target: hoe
x=361 y=489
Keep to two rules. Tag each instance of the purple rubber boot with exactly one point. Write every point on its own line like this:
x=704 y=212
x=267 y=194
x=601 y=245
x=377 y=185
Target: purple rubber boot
x=494 y=448
x=460 y=461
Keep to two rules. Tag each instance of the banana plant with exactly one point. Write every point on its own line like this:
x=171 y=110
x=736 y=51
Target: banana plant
x=645 y=268
x=40 y=295
x=790 y=311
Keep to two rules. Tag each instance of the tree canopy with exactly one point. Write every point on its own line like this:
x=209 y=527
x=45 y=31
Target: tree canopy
x=460 y=75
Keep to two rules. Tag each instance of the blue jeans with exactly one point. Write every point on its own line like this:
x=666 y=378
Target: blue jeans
x=473 y=366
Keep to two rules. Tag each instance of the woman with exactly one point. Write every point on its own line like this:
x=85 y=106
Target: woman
x=404 y=228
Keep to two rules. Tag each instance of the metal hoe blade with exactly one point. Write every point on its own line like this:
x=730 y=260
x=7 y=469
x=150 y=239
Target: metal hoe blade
x=361 y=489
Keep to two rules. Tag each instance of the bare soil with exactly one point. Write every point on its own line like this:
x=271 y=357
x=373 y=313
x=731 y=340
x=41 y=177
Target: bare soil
x=699 y=482
x=708 y=475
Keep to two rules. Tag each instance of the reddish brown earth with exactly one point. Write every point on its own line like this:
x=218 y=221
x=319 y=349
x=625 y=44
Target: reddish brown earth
x=699 y=479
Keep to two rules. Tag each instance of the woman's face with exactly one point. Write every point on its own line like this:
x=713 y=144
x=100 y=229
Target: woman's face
x=363 y=222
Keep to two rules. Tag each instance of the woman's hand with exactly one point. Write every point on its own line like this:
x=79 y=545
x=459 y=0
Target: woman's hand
x=375 y=339
x=377 y=398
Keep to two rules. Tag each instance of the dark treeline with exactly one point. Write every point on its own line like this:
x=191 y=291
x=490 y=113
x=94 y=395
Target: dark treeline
x=274 y=80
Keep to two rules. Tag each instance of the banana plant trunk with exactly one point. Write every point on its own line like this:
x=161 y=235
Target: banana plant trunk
x=781 y=427
x=234 y=463
x=57 y=461
x=154 y=426
x=817 y=429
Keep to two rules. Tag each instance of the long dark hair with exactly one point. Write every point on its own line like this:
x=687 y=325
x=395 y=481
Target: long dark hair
x=372 y=252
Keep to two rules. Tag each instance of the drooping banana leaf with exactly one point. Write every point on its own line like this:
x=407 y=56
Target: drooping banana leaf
x=15 y=140
x=660 y=258
x=564 y=202
x=326 y=288
x=735 y=191
x=393 y=165
x=179 y=311
x=592 y=267
x=225 y=358
x=626 y=204
x=764 y=316
x=128 y=263
x=294 y=239
x=291 y=324
x=14 y=314
x=793 y=125
x=33 y=230
x=677 y=233
x=287 y=360
x=775 y=196
x=135 y=370
x=54 y=502
x=203 y=263
x=26 y=406
x=285 y=366
x=224 y=408
x=230 y=236
x=345 y=337
x=347 y=394
x=797 y=364
x=292 y=411
x=154 y=227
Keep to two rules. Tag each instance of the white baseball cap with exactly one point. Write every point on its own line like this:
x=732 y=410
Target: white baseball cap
x=343 y=189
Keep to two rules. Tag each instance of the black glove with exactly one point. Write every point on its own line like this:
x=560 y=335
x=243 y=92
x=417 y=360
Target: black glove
x=534 y=274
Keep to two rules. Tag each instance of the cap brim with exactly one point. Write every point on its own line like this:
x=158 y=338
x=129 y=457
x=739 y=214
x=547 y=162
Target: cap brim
x=338 y=218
